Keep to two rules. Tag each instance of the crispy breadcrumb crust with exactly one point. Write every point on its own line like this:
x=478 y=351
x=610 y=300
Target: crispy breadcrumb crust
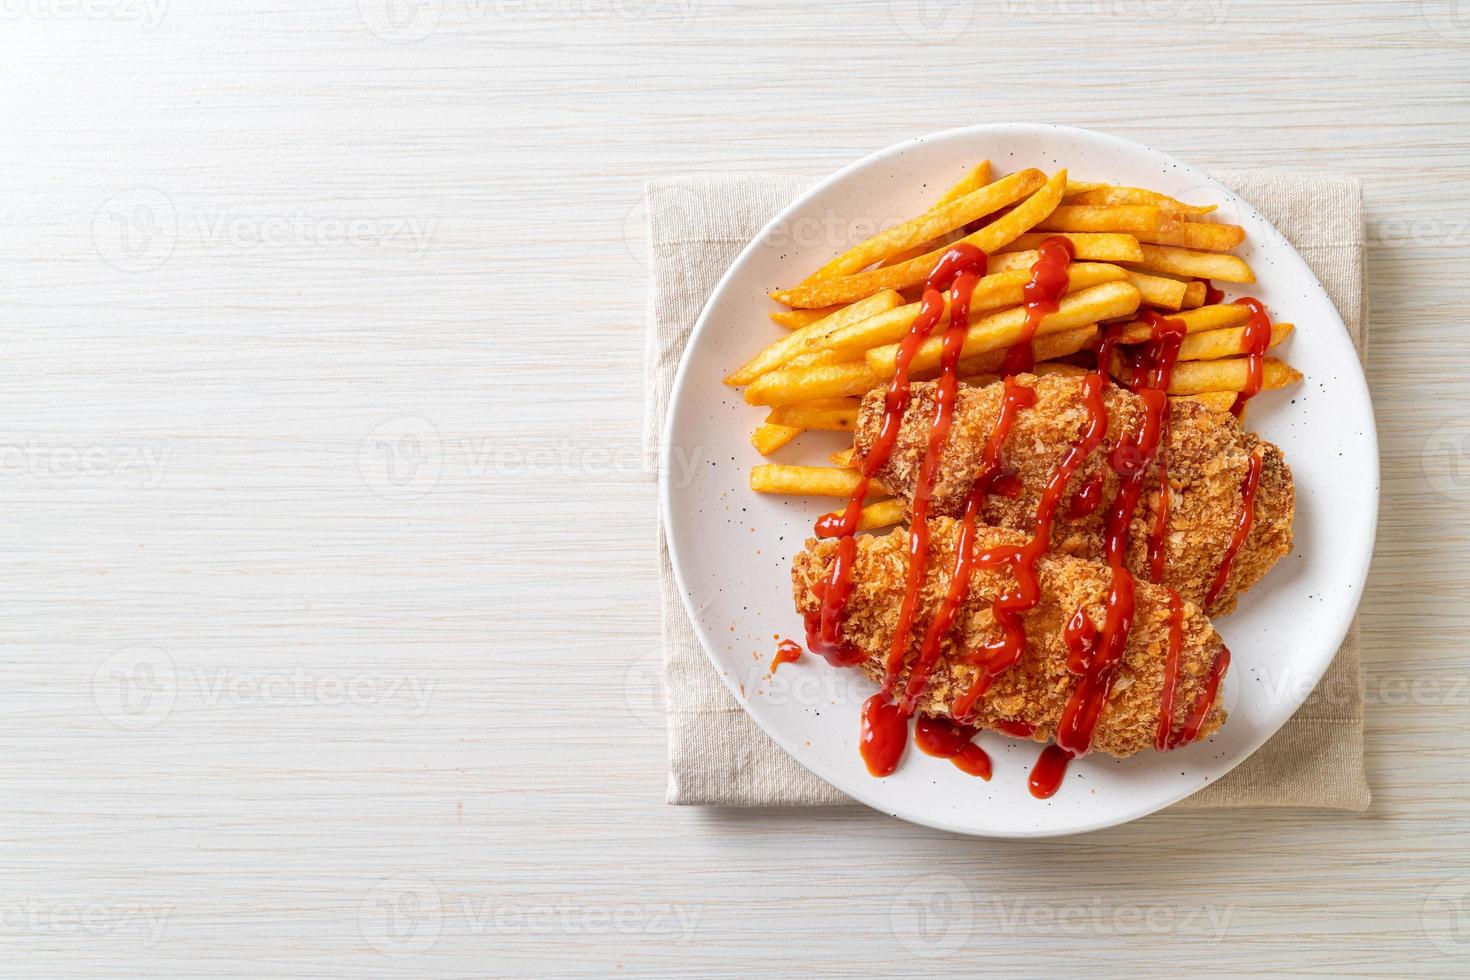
x=1207 y=460
x=1036 y=688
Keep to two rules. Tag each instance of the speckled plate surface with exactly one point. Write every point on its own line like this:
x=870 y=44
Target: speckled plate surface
x=731 y=548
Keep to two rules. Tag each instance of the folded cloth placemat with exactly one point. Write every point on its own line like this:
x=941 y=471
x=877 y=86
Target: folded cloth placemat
x=718 y=756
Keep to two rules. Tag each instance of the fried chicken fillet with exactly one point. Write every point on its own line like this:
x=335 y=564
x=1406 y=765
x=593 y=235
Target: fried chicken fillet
x=1208 y=455
x=1036 y=689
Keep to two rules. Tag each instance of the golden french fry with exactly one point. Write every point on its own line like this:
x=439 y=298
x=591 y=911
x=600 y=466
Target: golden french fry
x=931 y=224
x=841 y=458
x=1046 y=348
x=991 y=238
x=1000 y=330
x=1215 y=401
x=821 y=481
x=1139 y=220
x=768 y=438
x=995 y=291
x=1195 y=294
x=972 y=181
x=1199 y=320
x=880 y=514
x=1091 y=246
x=792 y=319
x=817 y=358
x=832 y=414
x=805 y=339
x=1159 y=291
x=788 y=386
x=1187 y=262
x=1107 y=194
x=1204 y=235
x=1229 y=374
x=1214 y=344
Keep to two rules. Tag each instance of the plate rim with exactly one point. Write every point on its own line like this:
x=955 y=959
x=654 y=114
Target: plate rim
x=682 y=378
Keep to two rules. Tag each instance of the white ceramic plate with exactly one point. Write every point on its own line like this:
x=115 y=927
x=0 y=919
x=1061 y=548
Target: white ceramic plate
x=731 y=548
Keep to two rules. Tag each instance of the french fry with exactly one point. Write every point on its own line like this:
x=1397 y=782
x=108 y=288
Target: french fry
x=1195 y=294
x=937 y=221
x=1215 y=401
x=805 y=339
x=995 y=291
x=792 y=319
x=1003 y=231
x=1229 y=374
x=1000 y=330
x=1053 y=345
x=1214 y=344
x=817 y=358
x=1199 y=320
x=970 y=182
x=768 y=438
x=1139 y=220
x=788 y=386
x=1089 y=246
x=1208 y=236
x=1187 y=262
x=843 y=457
x=1108 y=194
x=880 y=514
x=818 y=481
x=833 y=414
x=1168 y=294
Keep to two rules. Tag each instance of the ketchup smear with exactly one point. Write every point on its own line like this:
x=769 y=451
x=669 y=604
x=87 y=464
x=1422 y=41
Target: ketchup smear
x=1257 y=339
x=787 y=652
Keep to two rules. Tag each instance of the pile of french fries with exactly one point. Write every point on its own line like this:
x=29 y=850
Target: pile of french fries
x=1135 y=249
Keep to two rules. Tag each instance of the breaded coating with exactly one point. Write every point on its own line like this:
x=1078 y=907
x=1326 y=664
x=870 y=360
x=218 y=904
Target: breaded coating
x=1207 y=460
x=1036 y=689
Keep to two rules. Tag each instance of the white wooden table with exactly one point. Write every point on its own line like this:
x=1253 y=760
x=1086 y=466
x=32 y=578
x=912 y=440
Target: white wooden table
x=328 y=583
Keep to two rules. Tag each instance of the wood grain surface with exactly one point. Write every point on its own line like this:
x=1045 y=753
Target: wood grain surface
x=329 y=619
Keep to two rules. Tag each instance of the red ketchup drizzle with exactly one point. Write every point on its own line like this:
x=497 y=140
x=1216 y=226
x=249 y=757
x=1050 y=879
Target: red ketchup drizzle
x=1257 y=339
x=951 y=740
x=1163 y=738
x=1046 y=775
x=996 y=657
x=787 y=652
x=1088 y=497
x=1242 y=525
x=1040 y=297
x=1093 y=654
x=1212 y=295
x=1015 y=727
x=823 y=628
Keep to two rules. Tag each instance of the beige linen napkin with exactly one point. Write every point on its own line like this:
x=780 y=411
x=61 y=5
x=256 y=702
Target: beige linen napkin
x=717 y=755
